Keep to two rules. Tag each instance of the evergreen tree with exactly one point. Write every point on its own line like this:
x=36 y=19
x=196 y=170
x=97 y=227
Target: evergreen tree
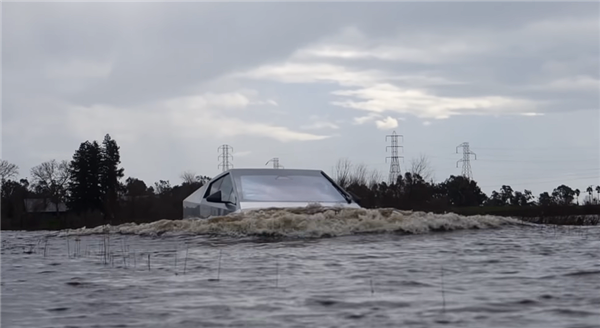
x=110 y=173
x=462 y=191
x=84 y=186
x=563 y=195
x=545 y=199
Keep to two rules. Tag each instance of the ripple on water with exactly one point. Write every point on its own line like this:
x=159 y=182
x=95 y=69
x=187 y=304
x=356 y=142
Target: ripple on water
x=58 y=309
x=583 y=273
x=488 y=282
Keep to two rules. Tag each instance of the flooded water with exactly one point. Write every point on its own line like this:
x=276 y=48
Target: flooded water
x=299 y=269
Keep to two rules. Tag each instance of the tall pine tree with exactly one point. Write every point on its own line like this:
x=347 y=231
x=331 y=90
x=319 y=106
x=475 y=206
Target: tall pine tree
x=110 y=174
x=95 y=174
x=85 y=194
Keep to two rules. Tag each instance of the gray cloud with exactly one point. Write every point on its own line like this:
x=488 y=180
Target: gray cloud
x=173 y=81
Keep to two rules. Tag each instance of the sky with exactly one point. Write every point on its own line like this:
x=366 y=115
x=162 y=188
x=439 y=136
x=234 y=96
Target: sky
x=310 y=84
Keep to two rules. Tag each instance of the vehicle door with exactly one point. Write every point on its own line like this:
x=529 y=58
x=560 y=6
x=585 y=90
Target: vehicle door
x=225 y=185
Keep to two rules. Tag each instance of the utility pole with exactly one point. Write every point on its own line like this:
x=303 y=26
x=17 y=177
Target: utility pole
x=225 y=157
x=466 y=163
x=275 y=161
x=394 y=163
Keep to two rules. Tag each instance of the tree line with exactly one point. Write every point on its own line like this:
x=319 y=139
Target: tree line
x=89 y=190
x=416 y=190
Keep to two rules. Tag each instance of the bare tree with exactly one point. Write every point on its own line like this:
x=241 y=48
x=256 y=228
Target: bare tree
x=343 y=170
x=359 y=175
x=188 y=177
x=51 y=178
x=422 y=167
x=346 y=174
x=375 y=177
x=7 y=170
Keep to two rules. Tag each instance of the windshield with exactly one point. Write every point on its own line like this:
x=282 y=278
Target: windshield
x=288 y=188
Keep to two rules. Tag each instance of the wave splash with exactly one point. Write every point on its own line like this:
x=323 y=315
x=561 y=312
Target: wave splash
x=308 y=222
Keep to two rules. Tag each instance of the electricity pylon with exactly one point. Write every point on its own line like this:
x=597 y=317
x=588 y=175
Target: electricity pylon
x=225 y=157
x=394 y=163
x=466 y=160
x=275 y=161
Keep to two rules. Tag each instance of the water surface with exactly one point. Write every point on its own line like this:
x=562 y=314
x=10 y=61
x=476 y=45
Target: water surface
x=385 y=271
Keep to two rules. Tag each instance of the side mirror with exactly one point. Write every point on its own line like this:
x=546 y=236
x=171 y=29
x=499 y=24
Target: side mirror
x=215 y=197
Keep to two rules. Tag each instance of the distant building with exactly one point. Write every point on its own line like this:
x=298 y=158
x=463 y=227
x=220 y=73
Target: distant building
x=44 y=206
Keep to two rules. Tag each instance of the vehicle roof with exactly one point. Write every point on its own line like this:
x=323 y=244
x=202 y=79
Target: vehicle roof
x=266 y=171
x=242 y=171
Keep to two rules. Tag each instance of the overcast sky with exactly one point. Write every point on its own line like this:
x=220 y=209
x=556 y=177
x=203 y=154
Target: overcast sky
x=308 y=83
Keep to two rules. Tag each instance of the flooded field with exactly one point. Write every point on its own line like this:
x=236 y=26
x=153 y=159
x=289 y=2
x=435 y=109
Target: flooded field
x=351 y=268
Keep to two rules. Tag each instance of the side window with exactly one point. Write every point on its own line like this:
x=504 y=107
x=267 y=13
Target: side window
x=214 y=187
x=226 y=187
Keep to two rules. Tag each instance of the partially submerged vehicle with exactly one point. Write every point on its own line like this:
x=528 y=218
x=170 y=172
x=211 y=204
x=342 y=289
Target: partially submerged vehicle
x=237 y=190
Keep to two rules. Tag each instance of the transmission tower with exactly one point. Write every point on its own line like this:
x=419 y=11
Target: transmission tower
x=466 y=160
x=275 y=161
x=225 y=157
x=394 y=163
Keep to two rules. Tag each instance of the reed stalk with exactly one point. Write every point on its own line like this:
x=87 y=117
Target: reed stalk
x=186 y=257
x=443 y=291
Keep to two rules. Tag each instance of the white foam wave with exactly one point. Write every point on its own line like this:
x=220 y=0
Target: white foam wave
x=307 y=222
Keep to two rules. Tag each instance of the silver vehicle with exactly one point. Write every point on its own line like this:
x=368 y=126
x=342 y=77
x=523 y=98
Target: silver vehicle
x=242 y=189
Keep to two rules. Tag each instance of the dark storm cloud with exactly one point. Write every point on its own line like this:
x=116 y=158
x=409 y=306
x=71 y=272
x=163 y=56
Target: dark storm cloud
x=157 y=50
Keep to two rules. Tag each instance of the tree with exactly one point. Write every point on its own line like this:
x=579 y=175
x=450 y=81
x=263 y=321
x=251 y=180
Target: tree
x=461 y=191
x=590 y=190
x=598 y=191
x=422 y=167
x=577 y=192
x=416 y=192
x=190 y=178
x=522 y=198
x=545 y=199
x=343 y=169
x=13 y=201
x=563 y=195
x=506 y=194
x=135 y=187
x=85 y=193
x=374 y=178
x=163 y=187
x=110 y=173
x=528 y=196
x=7 y=170
x=359 y=175
x=50 y=179
x=495 y=199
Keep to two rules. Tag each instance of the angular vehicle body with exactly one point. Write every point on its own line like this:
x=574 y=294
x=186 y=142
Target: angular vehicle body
x=236 y=190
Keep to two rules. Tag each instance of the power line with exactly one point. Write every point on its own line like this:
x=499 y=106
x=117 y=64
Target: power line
x=531 y=176
x=275 y=161
x=466 y=160
x=533 y=160
x=540 y=182
x=225 y=157
x=394 y=163
x=538 y=148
